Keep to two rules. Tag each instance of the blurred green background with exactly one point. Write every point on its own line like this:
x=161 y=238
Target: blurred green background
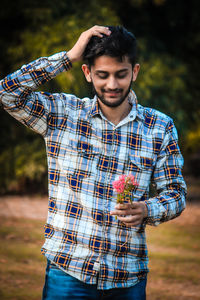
x=168 y=34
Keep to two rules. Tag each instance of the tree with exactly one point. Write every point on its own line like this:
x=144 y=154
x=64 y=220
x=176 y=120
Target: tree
x=168 y=38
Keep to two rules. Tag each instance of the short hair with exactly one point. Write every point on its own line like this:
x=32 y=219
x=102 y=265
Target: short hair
x=119 y=43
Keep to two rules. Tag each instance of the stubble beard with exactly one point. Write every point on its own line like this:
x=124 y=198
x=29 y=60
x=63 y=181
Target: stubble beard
x=112 y=104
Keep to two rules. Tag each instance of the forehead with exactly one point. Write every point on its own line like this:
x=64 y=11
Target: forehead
x=108 y=63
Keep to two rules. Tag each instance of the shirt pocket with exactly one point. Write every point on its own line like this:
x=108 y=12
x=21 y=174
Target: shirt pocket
x=80 y=165
x=81 y=156
x=142 y=168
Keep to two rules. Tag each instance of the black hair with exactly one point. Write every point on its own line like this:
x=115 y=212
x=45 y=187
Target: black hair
x=119 y=43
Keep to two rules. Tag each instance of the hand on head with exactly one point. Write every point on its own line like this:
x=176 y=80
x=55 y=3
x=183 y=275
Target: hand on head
x=75 y=54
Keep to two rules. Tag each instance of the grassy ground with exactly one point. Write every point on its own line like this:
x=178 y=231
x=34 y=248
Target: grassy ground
x=21 y=264
x=174 y=249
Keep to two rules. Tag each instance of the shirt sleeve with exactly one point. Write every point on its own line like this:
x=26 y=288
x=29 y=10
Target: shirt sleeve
x=170 y=185
x=17 y=94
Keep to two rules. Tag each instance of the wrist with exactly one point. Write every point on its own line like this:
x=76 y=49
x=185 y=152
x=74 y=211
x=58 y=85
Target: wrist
x=71 y=56
x=145 y=210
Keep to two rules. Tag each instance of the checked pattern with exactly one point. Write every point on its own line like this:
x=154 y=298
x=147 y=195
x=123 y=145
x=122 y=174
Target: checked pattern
x=86 y=153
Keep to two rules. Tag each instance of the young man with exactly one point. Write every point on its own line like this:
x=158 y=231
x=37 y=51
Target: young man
x=90 y=143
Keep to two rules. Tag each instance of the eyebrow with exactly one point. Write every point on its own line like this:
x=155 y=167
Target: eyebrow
x=106 y=72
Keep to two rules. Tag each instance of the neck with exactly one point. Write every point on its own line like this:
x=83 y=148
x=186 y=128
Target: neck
x=115 y=114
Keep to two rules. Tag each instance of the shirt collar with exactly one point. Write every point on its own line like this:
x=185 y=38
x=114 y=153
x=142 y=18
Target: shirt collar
x=95 y=110
x=135 y=111
x=132 y=98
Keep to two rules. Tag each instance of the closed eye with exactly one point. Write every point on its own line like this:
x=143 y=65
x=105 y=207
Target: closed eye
x=121 y=74
x=102 y=75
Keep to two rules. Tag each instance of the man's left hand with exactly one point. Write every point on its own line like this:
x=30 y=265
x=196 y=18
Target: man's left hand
x=131 y=214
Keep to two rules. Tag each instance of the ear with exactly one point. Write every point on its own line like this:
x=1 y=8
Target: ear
x=87 y=72
x=136 y=71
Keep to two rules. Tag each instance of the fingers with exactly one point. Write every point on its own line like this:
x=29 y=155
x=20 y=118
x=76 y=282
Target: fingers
x=133 y=205
x=131 y=220
x=131 y=214
x=98 y=31
x=94 y=31
x=125 y=212
x=127 y=209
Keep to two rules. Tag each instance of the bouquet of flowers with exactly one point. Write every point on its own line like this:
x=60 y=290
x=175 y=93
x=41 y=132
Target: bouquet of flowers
x=123 y=186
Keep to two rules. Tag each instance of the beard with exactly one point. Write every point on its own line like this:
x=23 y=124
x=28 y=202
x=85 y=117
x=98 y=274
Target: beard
x=117 y=102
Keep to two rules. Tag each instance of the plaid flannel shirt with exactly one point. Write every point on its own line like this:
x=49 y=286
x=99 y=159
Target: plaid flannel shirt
x=86 y=153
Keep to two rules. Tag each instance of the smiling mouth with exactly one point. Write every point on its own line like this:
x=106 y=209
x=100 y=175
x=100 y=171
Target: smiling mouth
x=113 y=93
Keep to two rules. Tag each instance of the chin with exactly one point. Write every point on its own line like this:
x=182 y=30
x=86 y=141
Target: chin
x=112 y=102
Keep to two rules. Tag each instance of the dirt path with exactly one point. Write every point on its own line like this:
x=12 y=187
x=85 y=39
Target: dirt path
x=36 y=208
x=24 y=206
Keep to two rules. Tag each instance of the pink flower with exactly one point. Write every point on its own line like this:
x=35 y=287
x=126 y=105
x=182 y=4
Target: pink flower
x=131 y=180
x=123 y=186
x=119 y=185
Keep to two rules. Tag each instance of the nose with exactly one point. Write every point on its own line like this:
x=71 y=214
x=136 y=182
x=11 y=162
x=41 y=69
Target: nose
x=112 y=83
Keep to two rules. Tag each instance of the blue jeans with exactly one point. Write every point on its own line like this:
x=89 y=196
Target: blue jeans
x=61 y=286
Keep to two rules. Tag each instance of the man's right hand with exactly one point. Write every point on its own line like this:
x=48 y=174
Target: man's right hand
x=75 y=54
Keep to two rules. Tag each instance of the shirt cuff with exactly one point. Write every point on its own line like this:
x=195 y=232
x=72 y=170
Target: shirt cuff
x=155 y=212
x=67 y=62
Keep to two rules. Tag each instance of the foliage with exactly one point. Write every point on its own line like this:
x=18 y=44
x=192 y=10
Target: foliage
x=161 y=84
x=193 y=139
x=168 y=37
x=24 y=165
x=23 y=162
